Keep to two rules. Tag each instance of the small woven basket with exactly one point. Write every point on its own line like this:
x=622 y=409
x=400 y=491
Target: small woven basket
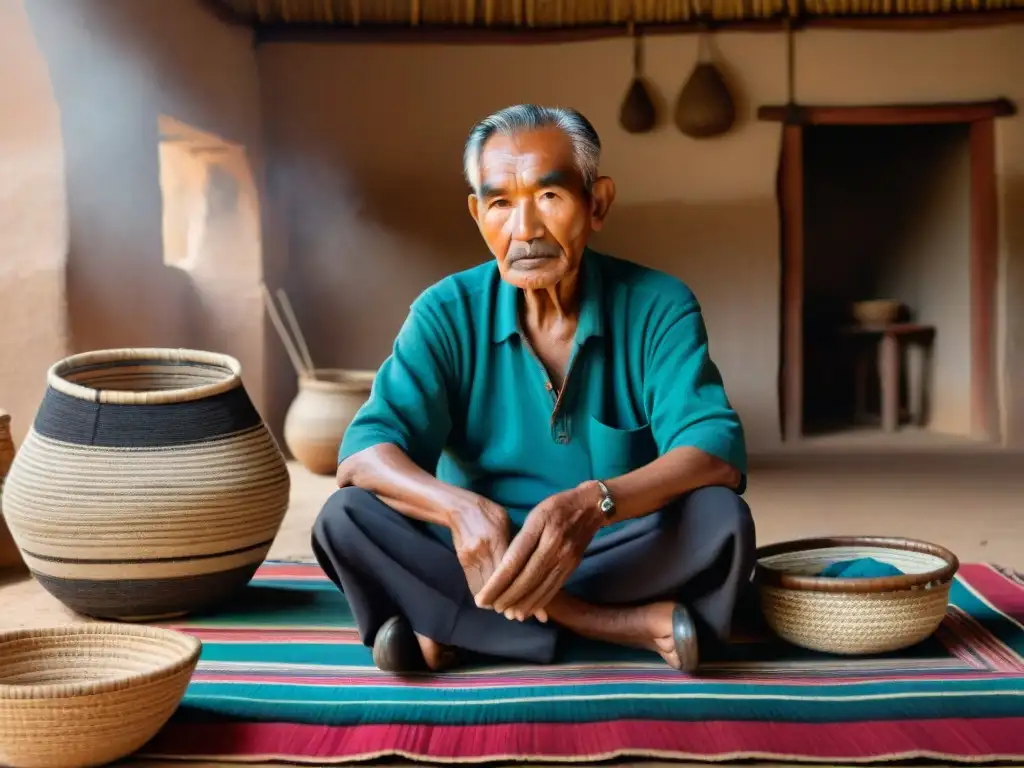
x=857 y=615
x=86 y=695
x=876 y=312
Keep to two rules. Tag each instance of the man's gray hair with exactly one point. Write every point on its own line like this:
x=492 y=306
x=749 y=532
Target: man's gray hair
x=529 y=117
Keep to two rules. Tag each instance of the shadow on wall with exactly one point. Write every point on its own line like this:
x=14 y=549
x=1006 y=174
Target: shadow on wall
x=360 y=253
x=33 y=223
x=117 y=67
x=115 y=259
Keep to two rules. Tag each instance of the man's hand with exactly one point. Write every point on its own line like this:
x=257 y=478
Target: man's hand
x=545 y=552
x=480 y=535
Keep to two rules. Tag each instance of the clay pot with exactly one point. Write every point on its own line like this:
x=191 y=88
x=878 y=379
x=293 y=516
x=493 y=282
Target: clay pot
x=148 y=485
x=705 y=106
x=637 y=113
x=321 y=412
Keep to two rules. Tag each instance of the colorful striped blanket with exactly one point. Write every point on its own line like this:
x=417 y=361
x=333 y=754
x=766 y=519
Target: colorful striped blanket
x=284 y=676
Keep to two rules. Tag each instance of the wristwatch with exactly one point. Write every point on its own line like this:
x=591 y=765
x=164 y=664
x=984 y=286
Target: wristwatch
x=607 y=503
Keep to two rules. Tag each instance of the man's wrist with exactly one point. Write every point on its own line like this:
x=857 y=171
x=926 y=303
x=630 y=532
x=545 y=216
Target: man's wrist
x=597 y=497
x=466 y=504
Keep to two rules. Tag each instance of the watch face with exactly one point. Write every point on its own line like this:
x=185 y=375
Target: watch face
x=607 y=505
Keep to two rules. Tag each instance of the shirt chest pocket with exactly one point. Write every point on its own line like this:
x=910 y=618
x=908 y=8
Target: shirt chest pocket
x=615 y=451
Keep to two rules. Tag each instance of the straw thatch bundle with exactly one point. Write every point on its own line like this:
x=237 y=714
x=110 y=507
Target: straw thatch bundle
x=580 y=13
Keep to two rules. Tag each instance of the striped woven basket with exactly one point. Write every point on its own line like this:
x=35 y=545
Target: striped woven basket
x=148 y=485
x=88 y=694
x=855 y=615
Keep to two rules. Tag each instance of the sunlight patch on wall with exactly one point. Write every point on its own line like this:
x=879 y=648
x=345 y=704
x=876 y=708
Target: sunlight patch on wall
x=210 y=203
x=182 y=184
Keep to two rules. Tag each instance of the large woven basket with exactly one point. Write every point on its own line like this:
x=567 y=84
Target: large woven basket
x=88 y=694
x=857 y=615
x=148 y=485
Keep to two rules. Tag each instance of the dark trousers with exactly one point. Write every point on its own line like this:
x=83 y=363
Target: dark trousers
x=699 y=551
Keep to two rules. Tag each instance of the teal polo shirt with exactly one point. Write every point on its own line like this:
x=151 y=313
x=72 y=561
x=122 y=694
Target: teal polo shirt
x=463 y=395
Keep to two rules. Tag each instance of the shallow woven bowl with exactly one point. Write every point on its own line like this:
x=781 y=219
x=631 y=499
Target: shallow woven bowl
x=876 y=311
x=854 y=616
x=88 y=694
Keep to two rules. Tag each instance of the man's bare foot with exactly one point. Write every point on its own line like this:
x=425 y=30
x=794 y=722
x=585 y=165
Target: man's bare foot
x=653 y=627
x=657 y=618
x=436 y=656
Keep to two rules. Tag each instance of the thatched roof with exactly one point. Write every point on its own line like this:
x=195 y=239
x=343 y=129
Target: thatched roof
x=576 y=14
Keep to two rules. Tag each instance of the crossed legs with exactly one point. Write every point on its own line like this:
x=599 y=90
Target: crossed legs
x=698 y=553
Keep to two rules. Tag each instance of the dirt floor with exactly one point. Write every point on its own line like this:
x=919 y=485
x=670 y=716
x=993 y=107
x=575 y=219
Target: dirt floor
x=966 y=498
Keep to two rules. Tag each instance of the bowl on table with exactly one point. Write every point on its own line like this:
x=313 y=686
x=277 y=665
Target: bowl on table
x=88 y=694
x=876 y=312
x=852 y=616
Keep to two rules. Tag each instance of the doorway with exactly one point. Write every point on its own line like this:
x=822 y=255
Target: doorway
x=887 y=218
x=872 y=143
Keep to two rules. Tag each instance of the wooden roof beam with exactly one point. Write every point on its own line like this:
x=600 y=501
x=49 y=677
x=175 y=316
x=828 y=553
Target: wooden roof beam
x=887 y=114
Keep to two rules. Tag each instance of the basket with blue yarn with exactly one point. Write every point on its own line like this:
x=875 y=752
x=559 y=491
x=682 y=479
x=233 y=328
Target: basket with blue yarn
x=854 y=595
x=148 y=485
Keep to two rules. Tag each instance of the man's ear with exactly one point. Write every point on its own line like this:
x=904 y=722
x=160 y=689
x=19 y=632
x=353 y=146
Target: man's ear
x=601 y=198
x=474 y=208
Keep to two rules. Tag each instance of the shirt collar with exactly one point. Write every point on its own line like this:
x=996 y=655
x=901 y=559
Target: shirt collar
x=591 y=321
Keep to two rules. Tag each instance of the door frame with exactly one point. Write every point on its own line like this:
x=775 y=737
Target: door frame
x=984 y=242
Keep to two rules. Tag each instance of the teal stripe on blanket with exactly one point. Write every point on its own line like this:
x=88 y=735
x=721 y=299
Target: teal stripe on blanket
x=385 y=706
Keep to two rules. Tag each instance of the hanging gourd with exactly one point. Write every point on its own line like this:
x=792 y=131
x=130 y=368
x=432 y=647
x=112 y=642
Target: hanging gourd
x=705 y=107
x=637 y=114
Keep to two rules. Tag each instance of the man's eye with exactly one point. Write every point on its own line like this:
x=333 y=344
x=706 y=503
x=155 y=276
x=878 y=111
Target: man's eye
x=548 y=196
x=499 y=204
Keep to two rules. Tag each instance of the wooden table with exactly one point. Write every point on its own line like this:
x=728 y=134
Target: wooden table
x=889 y=340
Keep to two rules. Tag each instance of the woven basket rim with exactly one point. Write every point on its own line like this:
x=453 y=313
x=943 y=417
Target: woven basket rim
x=772 y=577
x=232 y=378
x=339 y=380
x=191 y=648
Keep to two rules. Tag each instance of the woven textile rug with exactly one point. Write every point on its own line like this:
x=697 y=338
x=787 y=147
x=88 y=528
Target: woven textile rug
x=284 y=677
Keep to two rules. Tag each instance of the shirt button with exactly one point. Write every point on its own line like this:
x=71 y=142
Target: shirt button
x=548 y=386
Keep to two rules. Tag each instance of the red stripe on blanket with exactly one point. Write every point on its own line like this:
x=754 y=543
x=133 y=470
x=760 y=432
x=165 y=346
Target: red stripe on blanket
x=950 y=739
x=278 y=571
x=1006 y=595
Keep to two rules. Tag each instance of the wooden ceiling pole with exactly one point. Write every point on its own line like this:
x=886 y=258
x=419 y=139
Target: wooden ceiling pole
x=887 y=114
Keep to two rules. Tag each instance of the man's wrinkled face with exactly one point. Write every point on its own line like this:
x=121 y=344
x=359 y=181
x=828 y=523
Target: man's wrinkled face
x=532 y=209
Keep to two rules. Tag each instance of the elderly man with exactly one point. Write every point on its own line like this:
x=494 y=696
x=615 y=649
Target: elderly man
x=549 y=446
